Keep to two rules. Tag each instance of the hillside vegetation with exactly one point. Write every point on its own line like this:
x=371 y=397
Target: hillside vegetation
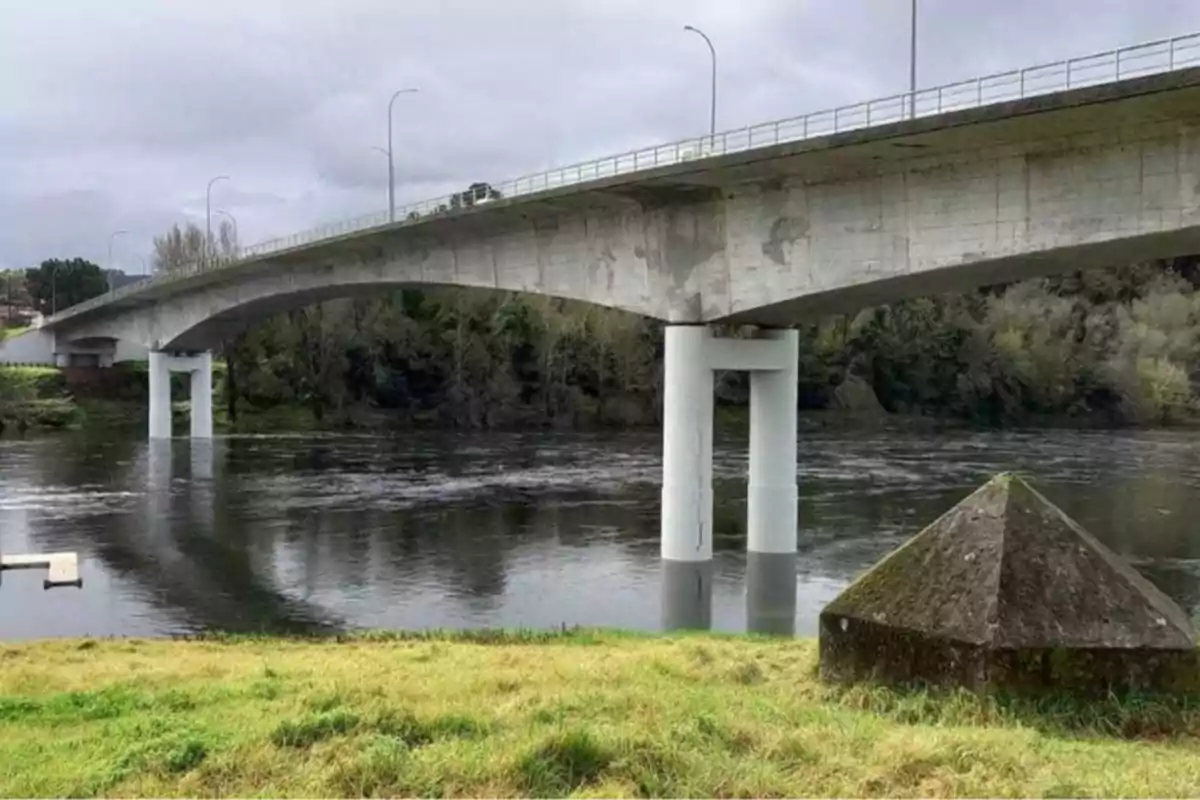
x=1115 y=347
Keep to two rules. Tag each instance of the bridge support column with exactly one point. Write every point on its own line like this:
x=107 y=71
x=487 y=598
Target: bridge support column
x=160 y=395
x=199 y=366
x=771 y=492
x=691 y=355
x=771 y=496
x=687 y=501
x=201 y=401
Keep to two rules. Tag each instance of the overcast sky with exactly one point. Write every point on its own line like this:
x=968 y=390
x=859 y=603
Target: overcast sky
x=115 y=113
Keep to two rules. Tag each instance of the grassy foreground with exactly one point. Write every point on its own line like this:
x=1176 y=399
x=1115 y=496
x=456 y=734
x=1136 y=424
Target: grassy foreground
x=587 y=713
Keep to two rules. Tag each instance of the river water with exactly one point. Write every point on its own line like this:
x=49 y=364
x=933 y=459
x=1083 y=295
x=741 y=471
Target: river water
x=319 y=533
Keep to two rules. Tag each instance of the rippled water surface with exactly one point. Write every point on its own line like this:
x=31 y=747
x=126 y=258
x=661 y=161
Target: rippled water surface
x=343 y=532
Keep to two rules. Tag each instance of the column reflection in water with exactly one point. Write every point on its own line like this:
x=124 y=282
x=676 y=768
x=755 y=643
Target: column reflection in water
x=202 y=455
x=687 y=594
x=201 y=500
x=771 y=593
x=159 y=469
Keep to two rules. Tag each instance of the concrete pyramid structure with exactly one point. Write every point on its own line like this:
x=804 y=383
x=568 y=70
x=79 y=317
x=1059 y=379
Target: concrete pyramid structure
x=1005 y=590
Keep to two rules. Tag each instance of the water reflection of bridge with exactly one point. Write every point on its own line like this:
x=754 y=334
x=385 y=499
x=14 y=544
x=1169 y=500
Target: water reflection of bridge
x=236 y=535
x=274 y=533
x=171 y=547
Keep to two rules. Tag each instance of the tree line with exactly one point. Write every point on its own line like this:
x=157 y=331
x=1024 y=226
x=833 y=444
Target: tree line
x=1115 y=346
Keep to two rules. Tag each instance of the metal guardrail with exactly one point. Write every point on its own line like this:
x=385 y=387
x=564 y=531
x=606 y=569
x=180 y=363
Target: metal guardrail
x=1163 y=55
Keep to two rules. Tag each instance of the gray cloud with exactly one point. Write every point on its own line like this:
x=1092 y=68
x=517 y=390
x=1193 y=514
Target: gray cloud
x=115 y=115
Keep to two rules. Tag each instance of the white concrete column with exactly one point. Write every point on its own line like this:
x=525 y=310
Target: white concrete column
x=202 y=423
x=687 y=499
x=160 y=395
x=771 y=495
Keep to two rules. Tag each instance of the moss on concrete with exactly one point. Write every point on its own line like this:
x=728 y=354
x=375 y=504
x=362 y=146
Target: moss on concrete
x=1006 y=591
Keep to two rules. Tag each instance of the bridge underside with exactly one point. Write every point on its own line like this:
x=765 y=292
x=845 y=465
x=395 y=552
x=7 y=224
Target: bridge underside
x=1133 y=250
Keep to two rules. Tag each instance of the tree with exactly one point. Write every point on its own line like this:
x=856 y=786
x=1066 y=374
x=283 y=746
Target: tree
x=58 y=284
x=16 y=292
x=182 y=249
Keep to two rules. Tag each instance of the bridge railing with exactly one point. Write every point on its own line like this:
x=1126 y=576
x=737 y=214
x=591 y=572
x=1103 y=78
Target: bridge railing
x=1163 y=55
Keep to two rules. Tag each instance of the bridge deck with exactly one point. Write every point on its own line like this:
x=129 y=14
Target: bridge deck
x=1011 y=93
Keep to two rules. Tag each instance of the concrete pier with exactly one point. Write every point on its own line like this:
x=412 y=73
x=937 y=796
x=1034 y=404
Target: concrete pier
x=687 y=501
x=771 y=495
x=691 y=355
x=199 y=366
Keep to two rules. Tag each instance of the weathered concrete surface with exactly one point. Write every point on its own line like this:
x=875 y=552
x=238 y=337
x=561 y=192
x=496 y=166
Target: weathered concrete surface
x=1101 y=175
x=1004 y=590
x=30 y=347
x=42 y=346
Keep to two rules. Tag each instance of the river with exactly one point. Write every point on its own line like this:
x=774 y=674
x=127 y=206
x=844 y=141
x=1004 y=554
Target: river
x=342 y=532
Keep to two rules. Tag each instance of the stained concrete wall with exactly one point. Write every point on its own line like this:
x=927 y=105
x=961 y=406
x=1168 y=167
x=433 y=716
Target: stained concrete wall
x=31 y=347
x=1104 y=175
x=42 y=346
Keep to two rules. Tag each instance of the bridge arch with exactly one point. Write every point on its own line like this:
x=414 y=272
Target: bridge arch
x=606 y=257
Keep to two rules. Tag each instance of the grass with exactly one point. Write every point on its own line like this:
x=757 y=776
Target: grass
x=578 y=713
x=10 y=333
x=30 y=374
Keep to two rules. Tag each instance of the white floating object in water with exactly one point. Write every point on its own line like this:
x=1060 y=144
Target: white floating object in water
x=62 y=569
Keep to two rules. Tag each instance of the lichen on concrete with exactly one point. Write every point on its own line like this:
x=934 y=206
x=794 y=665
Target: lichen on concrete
x=1005 y=591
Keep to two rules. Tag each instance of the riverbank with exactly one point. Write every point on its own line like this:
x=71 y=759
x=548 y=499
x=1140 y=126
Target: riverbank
x=37 y=398
x=586 y=713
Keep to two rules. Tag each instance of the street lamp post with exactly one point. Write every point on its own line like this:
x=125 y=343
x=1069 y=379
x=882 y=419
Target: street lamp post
x=108 y=270
x=712 y=121
x=912 y=64
x=391 y=164
x=233 y=220
x=208 y=216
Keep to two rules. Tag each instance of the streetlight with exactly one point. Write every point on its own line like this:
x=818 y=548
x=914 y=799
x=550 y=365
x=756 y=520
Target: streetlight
x=912 y=65
x=208 y=215
x=108 y=272
x=232 y=219
x=712 y=125
x=391 y=166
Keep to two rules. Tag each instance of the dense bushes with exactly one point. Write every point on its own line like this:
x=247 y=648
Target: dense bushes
x=449 y=357
x=34 y=397
x=1117 y=346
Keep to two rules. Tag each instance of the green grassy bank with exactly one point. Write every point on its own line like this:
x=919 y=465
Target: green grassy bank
x=598 y=714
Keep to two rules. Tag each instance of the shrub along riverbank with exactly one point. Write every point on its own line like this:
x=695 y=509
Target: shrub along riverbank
x=1108 y=347
x=584 y=713
x=34 y=397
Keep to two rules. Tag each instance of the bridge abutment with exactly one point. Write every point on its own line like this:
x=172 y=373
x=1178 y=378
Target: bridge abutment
x=691 y=356
x=199 y=366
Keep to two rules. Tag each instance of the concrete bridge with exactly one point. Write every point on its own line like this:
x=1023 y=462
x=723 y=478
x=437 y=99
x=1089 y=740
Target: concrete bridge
x=1087 y=162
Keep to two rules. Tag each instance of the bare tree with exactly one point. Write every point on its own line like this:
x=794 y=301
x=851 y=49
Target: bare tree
x=182 y=249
